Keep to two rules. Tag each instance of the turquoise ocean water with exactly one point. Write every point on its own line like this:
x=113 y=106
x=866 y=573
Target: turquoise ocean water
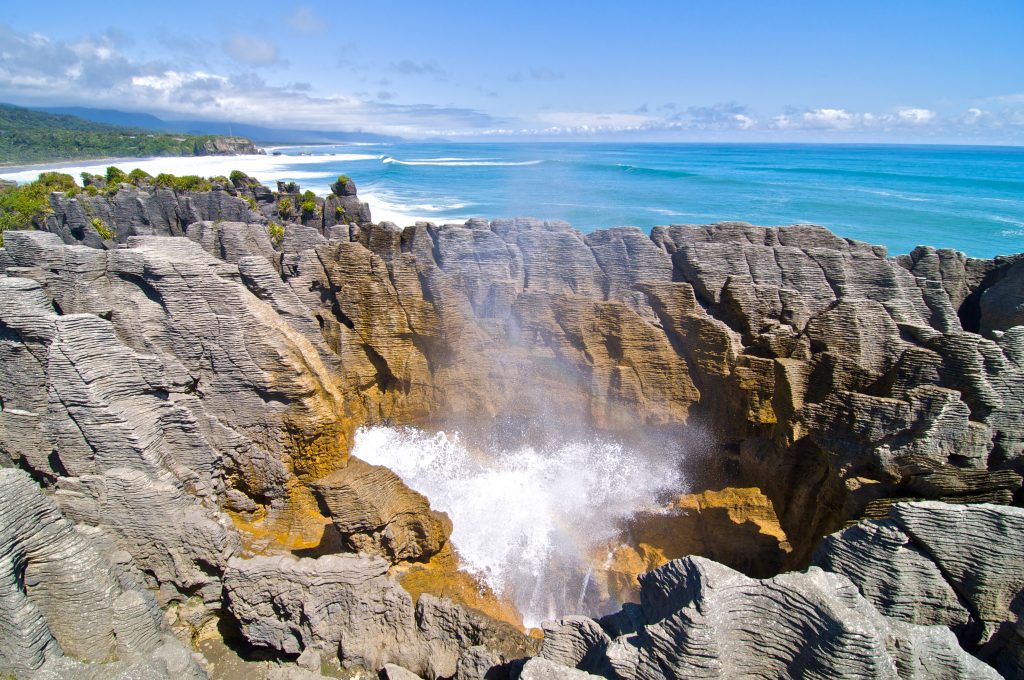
x=967 y=198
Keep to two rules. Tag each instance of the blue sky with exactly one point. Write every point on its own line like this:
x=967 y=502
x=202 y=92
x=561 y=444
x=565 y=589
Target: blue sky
x=741 y=71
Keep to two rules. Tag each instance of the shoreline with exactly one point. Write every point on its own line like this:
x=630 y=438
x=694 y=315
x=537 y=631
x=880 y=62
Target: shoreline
x=265 y=168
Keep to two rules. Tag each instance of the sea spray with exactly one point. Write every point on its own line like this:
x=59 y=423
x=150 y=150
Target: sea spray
x=529 y=519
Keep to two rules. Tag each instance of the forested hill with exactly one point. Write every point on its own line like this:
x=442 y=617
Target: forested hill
x=30 y=136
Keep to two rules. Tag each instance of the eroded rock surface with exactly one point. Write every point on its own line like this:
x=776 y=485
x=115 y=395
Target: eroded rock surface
x=953 y=565
x=186 y=405
x=699 y=619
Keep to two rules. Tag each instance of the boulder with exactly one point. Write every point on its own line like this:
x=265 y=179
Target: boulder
x=376 y=513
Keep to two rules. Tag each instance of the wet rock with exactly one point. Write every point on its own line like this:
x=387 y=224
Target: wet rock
x=376 y=513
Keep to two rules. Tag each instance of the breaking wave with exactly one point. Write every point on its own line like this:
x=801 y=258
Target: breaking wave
x=528 y=520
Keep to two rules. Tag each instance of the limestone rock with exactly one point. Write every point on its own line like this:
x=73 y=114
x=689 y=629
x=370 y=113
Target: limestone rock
x=540 y=668
x=442 y=621
x=65 y=611
x=226 y=146
x=699 y=619
x=232 y=241
x=393 y=672
x=1002 y=305
x=336 y=602
x=376 y=513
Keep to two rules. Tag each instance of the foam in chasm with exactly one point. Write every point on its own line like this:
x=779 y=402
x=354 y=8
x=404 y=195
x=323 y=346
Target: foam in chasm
x=529 y=520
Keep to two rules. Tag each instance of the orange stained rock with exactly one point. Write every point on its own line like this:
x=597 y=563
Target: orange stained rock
x=296 y=525
x=441 y=577
x=735 y=526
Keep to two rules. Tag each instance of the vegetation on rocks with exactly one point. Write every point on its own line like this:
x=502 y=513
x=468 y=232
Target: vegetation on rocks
x=24 y=206
x=284 y=208
x=21 y=206
x=101 y=227
x=276 y=232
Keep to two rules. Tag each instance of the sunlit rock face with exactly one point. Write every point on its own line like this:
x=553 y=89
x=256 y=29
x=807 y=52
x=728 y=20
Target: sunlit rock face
x=622 y=400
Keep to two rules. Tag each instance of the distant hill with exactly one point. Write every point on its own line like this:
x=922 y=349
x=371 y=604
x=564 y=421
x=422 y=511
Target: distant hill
x=262 y=135
x=130 y=119
x=29 y=136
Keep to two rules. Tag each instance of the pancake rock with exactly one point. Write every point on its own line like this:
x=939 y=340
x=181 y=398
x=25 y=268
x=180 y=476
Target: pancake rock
x=183 y=395
x=69 y=609
x=951 y=565
x=699 y=619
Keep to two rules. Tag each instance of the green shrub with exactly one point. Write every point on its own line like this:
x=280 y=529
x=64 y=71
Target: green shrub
x=26 y=205
x=284 y=207
x=338 y=211
x=344 y=179
x=139 y=176
x=183 y=183
x=276 y=232
x=308 y=207
x=116 y=175
x=114 y=178
x=308 y=195
x=106 y=233
x=291 y=187
x=252 y=203
x=238 y=176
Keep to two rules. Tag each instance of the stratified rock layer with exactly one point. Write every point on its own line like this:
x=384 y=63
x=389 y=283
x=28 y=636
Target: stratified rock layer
x=932 y=563
x=186 y=405
x=699 y=619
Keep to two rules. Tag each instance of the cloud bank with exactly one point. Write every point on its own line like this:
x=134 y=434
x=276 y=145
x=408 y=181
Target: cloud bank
x=98 y=71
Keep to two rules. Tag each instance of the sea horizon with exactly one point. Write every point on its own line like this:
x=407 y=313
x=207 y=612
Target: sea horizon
x=966 y=197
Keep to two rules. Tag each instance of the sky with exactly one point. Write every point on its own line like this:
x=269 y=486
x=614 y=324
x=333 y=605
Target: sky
x=700 y=70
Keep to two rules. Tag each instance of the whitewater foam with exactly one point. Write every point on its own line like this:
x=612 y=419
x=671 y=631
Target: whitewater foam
x=528 y=520
x=459 y=162
x=266 y=168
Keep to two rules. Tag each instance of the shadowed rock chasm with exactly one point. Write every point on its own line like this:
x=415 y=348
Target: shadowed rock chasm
x=178 y=403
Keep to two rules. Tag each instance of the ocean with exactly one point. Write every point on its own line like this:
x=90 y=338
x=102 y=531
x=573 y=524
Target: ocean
x=964 y=197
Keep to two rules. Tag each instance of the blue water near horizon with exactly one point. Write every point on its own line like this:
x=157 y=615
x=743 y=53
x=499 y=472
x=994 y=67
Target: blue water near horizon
x=964 y=197
x=968 y=198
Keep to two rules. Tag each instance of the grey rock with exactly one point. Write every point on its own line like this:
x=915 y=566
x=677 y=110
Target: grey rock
x=893 y=573
x=65 y=612
x=1002 y=305
x=232 y=241
x=376 y=513
x=338 y=602
x=227 y=146
x=574 y=641
x=700 y=619
x=441 y=620
x=541 y=669
x=393 y=672
x=978 y=549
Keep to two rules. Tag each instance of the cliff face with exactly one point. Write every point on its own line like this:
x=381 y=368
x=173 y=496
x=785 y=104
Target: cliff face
x=227 y=146
x=187 y=404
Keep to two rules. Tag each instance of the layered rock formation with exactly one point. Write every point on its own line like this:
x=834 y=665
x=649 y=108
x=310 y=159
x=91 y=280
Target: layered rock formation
x=183 y=396
x=699 y=619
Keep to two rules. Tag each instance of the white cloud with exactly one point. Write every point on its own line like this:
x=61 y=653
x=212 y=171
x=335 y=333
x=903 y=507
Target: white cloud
x=916 y=116
x=592 y=121
x=38 y=71
x=172 y=80
x=250 y=49
x=304 y=20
